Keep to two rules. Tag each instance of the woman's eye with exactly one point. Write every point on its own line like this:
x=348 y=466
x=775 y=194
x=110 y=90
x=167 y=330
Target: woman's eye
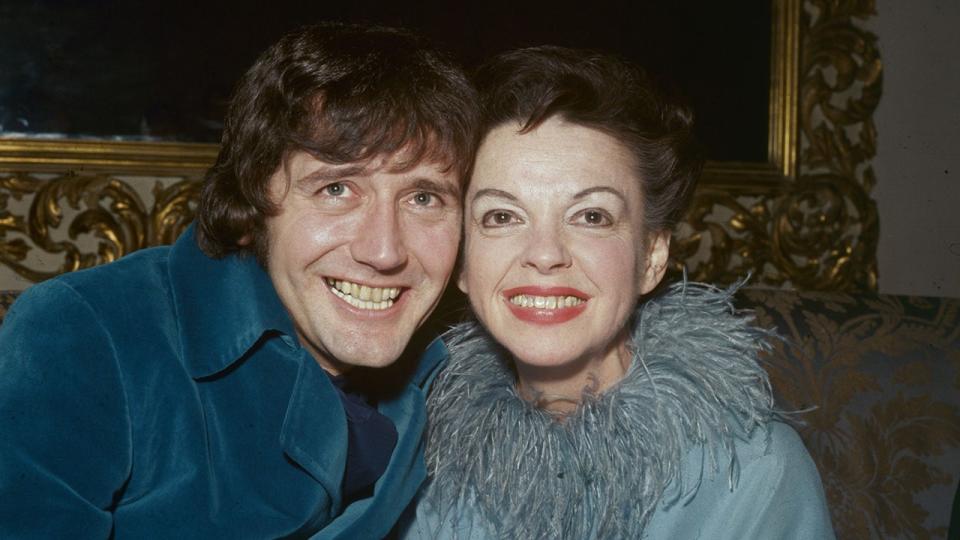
x=594 y=218
x=498 y=218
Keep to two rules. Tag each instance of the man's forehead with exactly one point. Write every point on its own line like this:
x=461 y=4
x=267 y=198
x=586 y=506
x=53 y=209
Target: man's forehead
x=303 y=165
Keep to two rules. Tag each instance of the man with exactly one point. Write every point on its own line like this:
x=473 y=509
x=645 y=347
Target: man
x=219 y=387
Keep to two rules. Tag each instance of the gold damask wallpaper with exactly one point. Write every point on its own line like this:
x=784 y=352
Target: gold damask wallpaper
x=803 y=220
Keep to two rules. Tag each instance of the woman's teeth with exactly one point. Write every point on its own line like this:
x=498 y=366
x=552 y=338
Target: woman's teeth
x=362 y=296
x=545 y=302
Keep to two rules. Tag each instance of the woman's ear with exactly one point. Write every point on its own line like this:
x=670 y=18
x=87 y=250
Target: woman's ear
x=655 y=265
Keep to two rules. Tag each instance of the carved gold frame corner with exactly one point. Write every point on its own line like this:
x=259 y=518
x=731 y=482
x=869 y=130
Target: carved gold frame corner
x=91 y=185
x=804 y=219
x=781 y=163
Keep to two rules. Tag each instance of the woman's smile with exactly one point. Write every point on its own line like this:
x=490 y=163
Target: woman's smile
x=545 y=305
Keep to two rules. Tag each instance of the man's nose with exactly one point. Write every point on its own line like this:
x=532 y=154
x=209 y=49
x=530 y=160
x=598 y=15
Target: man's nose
x=379 y=240
x=547 y=250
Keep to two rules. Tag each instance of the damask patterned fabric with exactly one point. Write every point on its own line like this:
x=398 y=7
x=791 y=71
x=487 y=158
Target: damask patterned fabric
x=879 y=379
x=880 y=376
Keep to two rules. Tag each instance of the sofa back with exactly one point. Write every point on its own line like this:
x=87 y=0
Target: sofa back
x=880 y=378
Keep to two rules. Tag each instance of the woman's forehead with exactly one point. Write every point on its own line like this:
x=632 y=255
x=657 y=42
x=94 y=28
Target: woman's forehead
x=555 y=156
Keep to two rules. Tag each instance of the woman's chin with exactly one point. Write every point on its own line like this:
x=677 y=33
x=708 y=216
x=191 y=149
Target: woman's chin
x=550 y=364
x=544 y=363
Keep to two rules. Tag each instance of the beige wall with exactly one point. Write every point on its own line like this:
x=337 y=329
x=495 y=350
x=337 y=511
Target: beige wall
x=918 y=156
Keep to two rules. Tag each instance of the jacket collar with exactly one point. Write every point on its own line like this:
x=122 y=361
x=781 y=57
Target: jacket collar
x=223 y=306
x=429 y=364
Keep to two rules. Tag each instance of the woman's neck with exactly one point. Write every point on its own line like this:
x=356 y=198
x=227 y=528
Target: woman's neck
x=560 y=389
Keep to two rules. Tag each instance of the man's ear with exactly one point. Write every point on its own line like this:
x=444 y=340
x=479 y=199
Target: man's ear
x=245 y=240
x=655 y=266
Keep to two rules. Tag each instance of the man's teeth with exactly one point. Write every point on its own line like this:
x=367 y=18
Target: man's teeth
x=362 y=296
x=545 y=302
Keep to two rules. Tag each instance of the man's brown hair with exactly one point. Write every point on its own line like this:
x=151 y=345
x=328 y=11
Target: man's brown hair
x=343 y=93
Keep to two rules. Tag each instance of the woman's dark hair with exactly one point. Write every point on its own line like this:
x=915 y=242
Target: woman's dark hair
x=343 y=93
x=606 y=93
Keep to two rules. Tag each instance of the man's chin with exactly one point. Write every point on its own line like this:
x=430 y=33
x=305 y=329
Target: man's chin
x=363 y=357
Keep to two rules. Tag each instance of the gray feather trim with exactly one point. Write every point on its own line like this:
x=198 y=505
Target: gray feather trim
x=603 y=470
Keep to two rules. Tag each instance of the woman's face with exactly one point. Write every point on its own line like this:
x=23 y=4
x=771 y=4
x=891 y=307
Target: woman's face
x=556 y=254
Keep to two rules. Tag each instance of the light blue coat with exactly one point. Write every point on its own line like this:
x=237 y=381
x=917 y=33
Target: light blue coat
x=777 y=496
x=688 y=444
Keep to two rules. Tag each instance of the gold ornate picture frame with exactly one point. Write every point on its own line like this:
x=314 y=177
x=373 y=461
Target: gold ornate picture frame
x=111 y=157
x=803 y=218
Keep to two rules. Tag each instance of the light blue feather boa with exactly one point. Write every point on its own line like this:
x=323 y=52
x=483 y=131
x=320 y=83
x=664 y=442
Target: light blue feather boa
x=602 y=471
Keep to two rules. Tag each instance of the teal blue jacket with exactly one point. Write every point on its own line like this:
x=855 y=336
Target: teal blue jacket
x=166 y=396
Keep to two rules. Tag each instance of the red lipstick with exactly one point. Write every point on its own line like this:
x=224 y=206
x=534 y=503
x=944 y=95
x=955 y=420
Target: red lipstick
x=545 y=316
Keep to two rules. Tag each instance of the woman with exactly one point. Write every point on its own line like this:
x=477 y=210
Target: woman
x=575 y=408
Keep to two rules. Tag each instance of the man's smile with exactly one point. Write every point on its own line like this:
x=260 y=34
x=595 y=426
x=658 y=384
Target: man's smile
x=364 y=296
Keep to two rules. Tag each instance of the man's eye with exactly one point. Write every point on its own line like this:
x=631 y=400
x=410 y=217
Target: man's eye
x=335 y=190
x=498 y=218
x=423 y=198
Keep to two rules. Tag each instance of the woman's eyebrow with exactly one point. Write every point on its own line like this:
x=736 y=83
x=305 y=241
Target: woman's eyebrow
x=600 y=189
x=497 y=193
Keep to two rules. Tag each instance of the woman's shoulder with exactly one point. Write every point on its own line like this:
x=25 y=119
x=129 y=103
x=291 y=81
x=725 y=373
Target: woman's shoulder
x=777 y=440
x=773 y=491
x=769 y=450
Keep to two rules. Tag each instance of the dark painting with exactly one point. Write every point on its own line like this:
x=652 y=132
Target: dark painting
x=136 y=70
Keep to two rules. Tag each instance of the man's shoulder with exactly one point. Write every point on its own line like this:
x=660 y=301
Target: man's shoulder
x=138 y=269
x=140 y=278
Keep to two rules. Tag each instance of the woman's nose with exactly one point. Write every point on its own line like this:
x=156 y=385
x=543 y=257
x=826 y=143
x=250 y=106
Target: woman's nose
x=547 y=251
x=379 y=240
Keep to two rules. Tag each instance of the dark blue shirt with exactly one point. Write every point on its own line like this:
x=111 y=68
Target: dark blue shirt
x=371 y=438
x=166 y=395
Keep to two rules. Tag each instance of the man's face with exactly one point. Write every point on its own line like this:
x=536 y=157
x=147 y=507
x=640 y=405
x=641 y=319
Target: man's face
x=360 y=253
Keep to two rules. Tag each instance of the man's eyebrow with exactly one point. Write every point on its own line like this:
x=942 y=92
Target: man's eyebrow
x=443 y=188
x=326 y=174
x=600 y=189
x=497 y=193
